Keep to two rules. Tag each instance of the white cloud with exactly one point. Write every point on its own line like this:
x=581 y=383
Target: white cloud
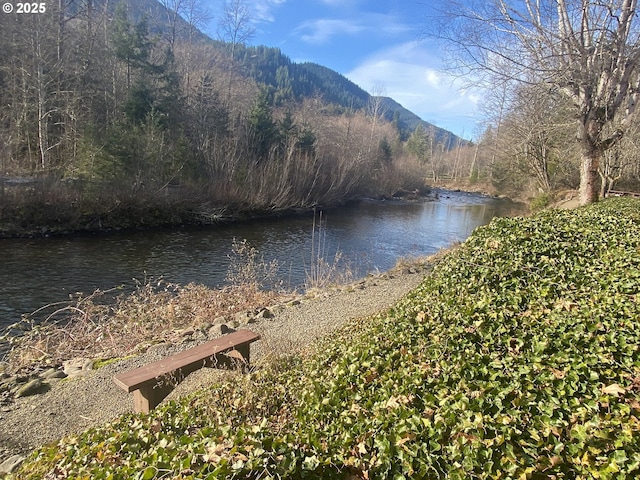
x=262 y=10
x=432 y=77
x=413 y=77
x=322 y=30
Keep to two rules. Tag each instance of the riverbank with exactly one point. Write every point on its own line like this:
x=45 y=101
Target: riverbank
x=38 y=219
x=369 y=236
x=91 y=398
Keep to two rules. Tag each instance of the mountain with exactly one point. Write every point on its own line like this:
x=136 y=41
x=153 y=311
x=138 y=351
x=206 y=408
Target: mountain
x=408 y=121
x=270 y=67
x=287 y=79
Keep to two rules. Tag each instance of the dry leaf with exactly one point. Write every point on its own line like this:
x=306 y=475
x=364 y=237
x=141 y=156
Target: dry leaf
x=613 y=389
x=392 y=403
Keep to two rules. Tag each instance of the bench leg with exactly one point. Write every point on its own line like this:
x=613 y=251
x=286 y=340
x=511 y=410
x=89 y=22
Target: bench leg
x=236 y=358
x=241 y=353
x=148 y=398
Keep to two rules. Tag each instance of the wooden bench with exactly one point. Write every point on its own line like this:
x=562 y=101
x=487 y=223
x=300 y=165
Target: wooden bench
x=151 y=383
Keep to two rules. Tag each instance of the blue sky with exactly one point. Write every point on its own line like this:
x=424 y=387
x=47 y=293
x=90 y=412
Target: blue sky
x=374 y=43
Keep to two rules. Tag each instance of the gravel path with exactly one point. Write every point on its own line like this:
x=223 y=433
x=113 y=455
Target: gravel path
x=73 y=405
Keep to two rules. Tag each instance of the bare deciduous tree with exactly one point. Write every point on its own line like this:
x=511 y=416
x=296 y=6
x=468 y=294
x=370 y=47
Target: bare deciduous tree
x=235 y=24
x=588 y=51
x=536 y=132
x=376 y=109
x=621 y=160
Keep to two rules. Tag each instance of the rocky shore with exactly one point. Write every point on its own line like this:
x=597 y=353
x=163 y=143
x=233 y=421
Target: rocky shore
x=53 y=403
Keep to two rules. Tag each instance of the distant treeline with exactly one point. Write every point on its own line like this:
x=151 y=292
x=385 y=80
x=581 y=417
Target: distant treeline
x=116 y=125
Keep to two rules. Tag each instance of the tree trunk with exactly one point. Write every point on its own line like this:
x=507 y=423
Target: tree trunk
x=589 y=176
x=41 y=86
x=590 y=135
x=473 y=162
x=605 y=186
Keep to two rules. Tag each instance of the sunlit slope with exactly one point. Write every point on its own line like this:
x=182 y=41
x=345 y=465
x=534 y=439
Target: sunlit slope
x=517 y=358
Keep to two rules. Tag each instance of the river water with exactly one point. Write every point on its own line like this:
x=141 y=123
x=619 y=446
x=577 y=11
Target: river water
x=369 y=236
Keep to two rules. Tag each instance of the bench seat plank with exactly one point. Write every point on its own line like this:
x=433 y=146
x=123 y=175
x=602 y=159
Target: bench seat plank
x=153 y=382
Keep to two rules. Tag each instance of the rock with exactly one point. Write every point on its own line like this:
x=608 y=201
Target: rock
x=205 y=326
x=186 y=332
x=276 y=309
x=219 y=330
x=32 y=387
x=199 y=335
x=77 y=366
x=219 y=320
x=53 y=373
x=10 y=464
x=9 y=381
x=265 y=313
x=242 y=318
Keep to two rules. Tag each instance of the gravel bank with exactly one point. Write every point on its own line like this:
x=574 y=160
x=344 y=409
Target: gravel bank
x=73 y=405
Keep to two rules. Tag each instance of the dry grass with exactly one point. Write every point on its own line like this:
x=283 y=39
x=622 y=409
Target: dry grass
x=153 y=313
x=325 y=269
x=406 y=263
x=96 y=326
x=248 y=267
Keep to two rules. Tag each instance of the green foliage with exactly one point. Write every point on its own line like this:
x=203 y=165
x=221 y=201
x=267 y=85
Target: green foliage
x=294 y=81
x=385 y=152
x=518 y=357
x=263 y=129
x=130 y=42
x=93 y=161
x=289 y=82
x=418 y=144
x=306 y=141
x=541 y=202
x=139 y=103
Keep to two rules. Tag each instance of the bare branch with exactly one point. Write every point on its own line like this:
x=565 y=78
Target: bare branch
x=589 y=51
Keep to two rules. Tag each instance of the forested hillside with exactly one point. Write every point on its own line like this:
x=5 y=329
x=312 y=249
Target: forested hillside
x=119 y=116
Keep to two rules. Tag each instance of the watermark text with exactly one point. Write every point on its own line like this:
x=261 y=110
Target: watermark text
x=27 y=8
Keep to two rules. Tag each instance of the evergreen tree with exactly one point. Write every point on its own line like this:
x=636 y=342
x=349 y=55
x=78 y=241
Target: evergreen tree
x=418 y=144
x=385 y=152
x=131 y=43
x=307 y=141
x=263 y=131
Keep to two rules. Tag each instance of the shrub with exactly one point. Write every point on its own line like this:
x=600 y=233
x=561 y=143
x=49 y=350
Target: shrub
x=541 y=202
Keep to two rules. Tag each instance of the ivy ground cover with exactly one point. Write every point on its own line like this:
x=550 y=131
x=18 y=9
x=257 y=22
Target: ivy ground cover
x=518 y=357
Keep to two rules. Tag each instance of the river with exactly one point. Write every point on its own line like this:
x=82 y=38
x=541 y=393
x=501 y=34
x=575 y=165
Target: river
x=368 y=236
